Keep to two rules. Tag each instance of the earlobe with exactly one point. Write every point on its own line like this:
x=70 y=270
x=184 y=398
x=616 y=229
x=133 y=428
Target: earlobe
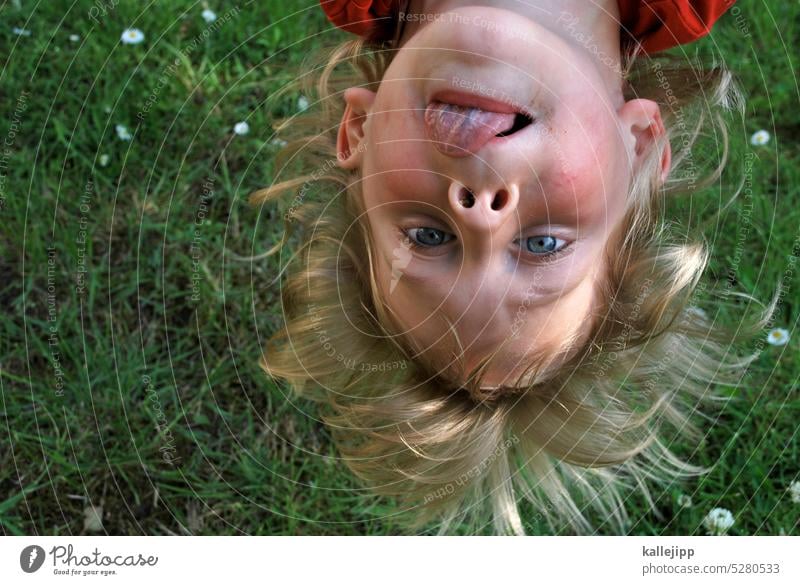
x=350 y=138
x=642 y=118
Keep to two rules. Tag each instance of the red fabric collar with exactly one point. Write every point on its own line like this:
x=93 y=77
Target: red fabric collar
x=656 y=24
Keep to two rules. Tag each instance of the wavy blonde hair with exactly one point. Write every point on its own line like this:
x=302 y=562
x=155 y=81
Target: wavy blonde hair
x=569 y=442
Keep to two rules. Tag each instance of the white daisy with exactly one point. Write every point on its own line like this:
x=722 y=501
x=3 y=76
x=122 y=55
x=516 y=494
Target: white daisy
x=684 y=501
x=123 y=133
x=794 y=491
x=241 y=128
x=718 y=521
x=696 y=312
x=104 y=159
x=23 y=32
x=302 y=103
x=93 y=519
x=132 y=36
x=280 y=143
x=778 y=336
x=208 y=15
x=759 y=138
x=74 y=38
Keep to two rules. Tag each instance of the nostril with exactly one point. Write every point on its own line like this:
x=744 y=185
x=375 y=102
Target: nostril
x=500 y=200
x=466 y=198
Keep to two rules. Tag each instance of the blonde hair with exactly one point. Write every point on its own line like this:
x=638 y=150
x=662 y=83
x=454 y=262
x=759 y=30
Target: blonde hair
x=577 y=439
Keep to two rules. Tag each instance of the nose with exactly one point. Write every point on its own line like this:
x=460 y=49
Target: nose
x=483 y=210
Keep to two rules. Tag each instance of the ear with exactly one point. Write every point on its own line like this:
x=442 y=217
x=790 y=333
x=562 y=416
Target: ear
x=350 y=140
x=642 y=118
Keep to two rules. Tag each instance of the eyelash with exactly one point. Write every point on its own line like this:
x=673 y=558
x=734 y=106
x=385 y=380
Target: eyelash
x=551 y=256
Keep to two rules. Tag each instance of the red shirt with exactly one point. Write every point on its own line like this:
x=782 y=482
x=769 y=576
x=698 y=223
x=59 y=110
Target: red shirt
x=656 y=24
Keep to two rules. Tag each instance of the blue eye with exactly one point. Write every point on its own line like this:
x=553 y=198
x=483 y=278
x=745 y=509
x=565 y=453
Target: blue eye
x=544 y=244
x=428 y=236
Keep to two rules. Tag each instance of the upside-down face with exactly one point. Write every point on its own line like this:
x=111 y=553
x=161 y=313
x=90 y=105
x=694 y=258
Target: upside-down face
x=495 y=162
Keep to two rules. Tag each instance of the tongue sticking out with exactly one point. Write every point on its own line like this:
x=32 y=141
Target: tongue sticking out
x=463 y=130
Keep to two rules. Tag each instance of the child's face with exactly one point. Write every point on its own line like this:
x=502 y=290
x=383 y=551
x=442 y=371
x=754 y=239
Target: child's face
x=502 y=238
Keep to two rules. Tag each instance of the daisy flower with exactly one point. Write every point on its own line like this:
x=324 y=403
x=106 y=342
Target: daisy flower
x=794 y=491
x=778 y=336
x=280 y=143
x=74 y=38
x=696 y=313
x=123 y=133
x=132 y=36
x=93 y=519
x=208 y=15
x=22 y=32
x=302 y=103
x=241 y=128
x=759 y=138
x=718 y=521
x=104 y=159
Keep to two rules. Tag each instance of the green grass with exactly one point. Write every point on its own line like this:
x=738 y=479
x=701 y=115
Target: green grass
x=252 y=459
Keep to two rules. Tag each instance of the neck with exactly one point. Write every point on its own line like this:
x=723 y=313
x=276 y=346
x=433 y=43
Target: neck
x=591 y=26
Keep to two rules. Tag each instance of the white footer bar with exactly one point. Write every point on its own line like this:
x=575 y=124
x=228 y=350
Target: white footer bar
x=401 y=560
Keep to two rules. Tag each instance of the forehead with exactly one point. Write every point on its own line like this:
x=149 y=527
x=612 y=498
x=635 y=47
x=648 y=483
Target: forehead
x=441 y=319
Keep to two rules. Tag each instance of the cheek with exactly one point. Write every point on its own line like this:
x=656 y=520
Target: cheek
x=585 y=178
x=399 y=150
x=385 y=182
x=397 y=164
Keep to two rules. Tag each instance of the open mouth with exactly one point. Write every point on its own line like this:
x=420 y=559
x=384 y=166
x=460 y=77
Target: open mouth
x=461 y=124
x=520 y=121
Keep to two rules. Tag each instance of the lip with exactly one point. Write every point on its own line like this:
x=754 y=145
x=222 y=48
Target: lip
x=460 y=98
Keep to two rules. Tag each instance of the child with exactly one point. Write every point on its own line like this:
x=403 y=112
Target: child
x=485 y=297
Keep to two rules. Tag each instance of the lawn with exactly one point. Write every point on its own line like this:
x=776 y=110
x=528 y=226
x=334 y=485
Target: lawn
x=133 y=318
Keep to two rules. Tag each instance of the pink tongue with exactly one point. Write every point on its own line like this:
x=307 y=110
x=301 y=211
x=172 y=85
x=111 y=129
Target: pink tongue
x=463 y=130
